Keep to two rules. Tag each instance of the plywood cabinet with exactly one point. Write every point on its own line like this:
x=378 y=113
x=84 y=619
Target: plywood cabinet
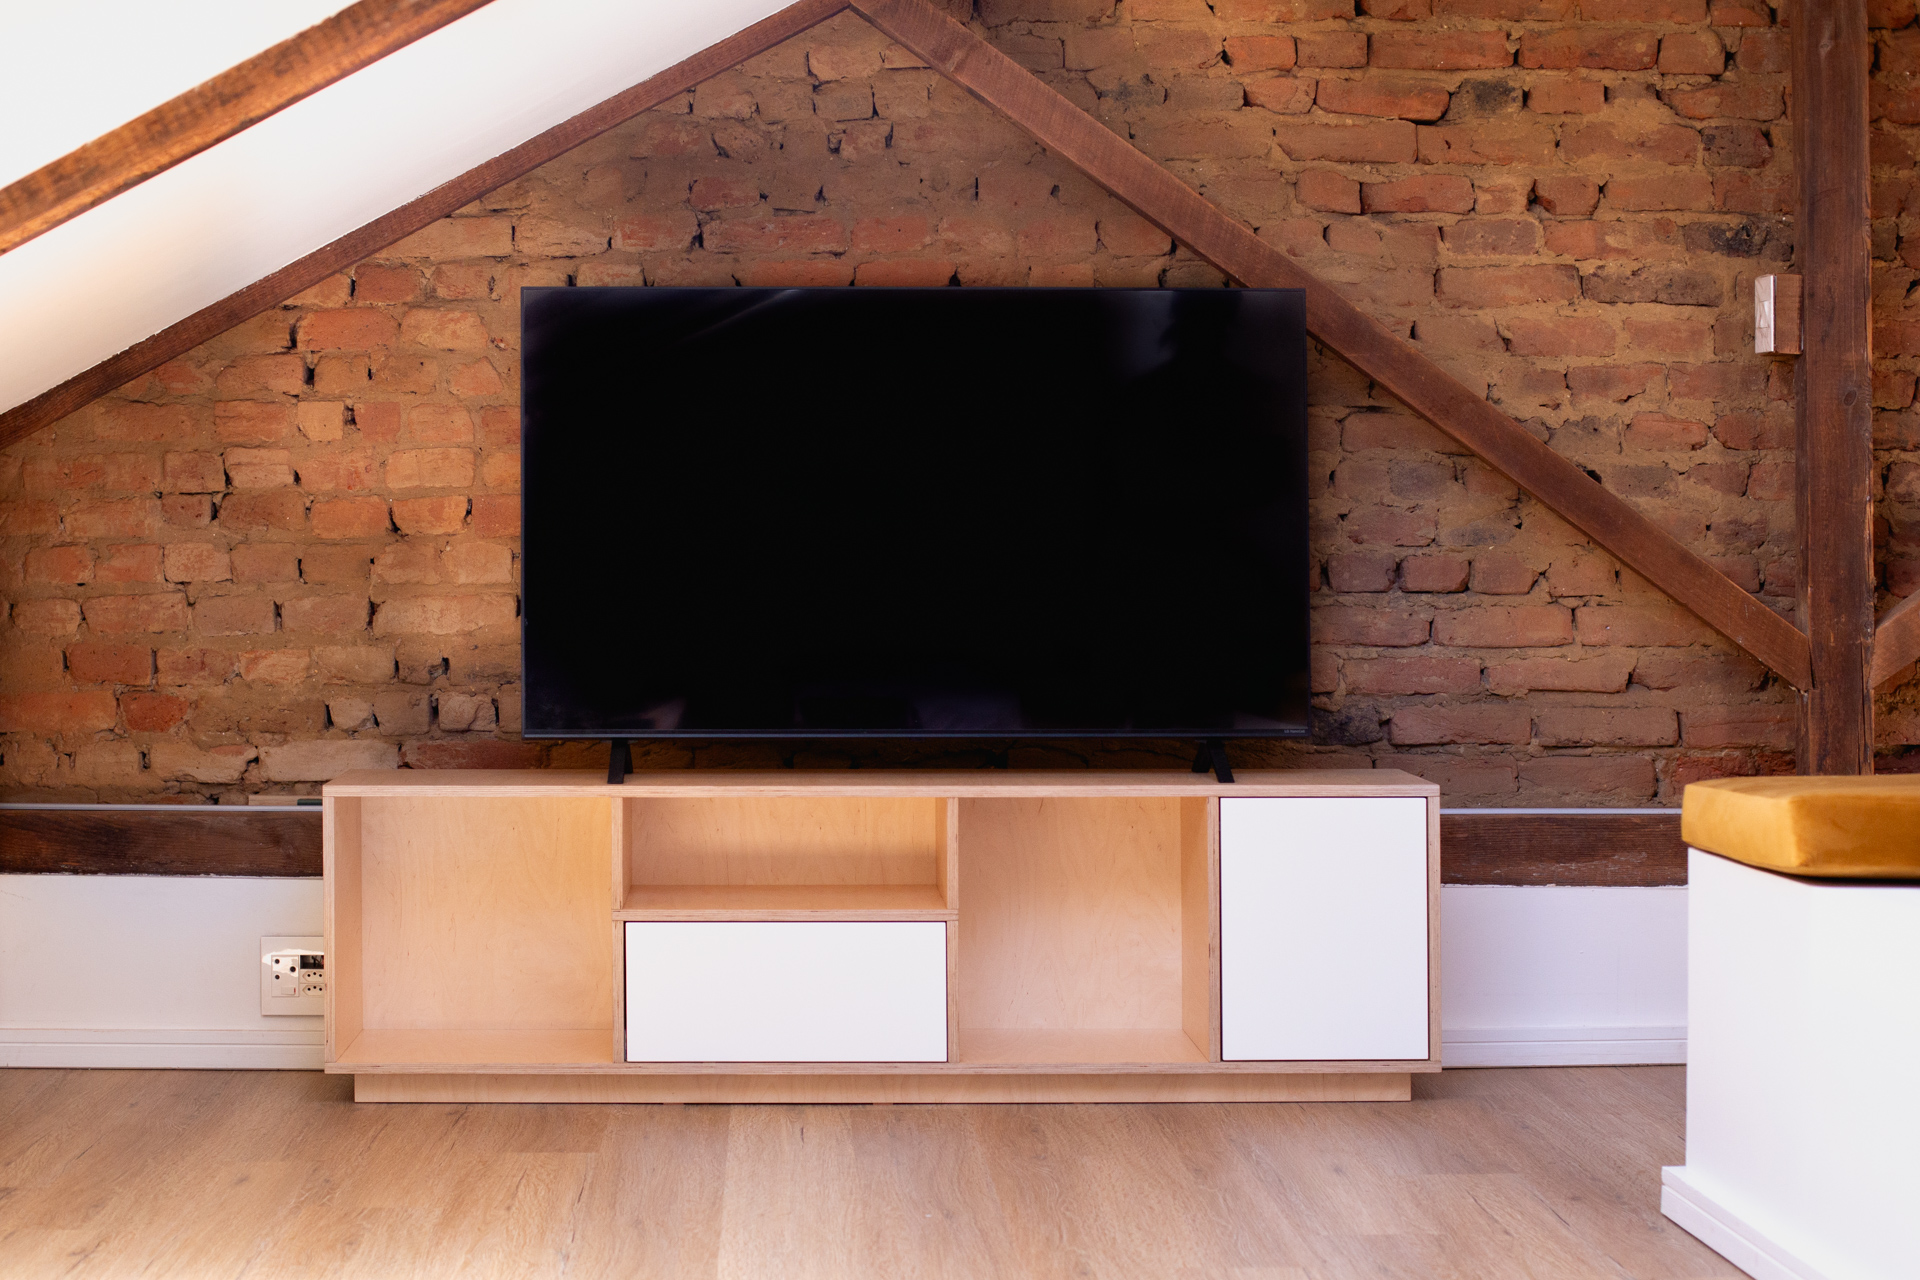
x=862 y=937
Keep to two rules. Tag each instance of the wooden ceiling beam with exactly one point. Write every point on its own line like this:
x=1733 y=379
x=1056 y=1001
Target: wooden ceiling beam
x=270 y=291
x=212 y=112
x=1392 y=362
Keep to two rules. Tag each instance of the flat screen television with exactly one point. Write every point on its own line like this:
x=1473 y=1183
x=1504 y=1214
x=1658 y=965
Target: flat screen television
x=914 y=513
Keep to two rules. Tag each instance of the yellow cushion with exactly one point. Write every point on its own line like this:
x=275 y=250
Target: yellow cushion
x=1840 y=827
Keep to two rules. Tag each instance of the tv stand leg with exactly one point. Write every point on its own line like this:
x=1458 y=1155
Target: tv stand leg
x=1212 y=757
x=619 y=761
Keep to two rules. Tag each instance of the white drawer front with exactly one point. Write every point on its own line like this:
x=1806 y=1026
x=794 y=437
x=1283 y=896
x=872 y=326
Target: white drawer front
x=783 y=991
x=1323 y=929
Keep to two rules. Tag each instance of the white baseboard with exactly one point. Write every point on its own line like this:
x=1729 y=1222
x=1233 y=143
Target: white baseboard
x=207 y=1049
x=1722 y=1231
x=1562 y=1046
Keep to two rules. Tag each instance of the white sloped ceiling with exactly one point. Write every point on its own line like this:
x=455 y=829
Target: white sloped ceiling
x=333 y=162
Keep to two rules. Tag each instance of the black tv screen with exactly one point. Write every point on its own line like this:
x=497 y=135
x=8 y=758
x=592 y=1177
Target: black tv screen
x=934 y=513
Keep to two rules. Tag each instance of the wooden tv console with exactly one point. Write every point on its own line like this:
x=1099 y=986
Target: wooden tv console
x=868 y=936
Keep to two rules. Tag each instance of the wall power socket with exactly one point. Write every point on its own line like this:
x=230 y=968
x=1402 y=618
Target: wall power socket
x=293 y=976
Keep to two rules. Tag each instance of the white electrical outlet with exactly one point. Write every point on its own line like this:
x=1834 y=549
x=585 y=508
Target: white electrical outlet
x=293 y=976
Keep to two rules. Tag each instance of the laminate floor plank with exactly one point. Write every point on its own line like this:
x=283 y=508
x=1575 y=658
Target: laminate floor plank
x=1548 y=1174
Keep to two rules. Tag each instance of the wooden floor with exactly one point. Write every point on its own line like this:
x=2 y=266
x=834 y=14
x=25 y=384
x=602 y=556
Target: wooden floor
x=1551 y=1174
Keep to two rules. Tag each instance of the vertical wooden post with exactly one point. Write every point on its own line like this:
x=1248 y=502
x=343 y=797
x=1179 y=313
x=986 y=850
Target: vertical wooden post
x=1833 y=387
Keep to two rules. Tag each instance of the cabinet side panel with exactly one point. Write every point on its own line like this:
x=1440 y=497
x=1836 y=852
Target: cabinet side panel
x=487 y=912
x=1072 y=916
x=1199 y=953
x=1324 y=929
x=340 y=865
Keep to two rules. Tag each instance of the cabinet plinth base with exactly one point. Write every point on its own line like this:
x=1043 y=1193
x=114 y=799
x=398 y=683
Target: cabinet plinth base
x=1332 y=1087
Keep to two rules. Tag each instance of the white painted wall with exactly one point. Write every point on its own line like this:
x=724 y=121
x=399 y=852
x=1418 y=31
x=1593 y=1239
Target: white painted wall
x=148 y=971
x=157 y=971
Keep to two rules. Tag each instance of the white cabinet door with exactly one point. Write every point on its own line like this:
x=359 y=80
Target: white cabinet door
x=1323 y=928
x=780 y=991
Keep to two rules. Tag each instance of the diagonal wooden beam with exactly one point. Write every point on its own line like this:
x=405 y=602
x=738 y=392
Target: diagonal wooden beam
x=1896 y=641
x=270 y=291
x=209 y=113
x=1390 y=361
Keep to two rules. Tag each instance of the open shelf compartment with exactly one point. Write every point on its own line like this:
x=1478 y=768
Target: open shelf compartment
x=785 y=858
x=1088 y=936
x=468 y=931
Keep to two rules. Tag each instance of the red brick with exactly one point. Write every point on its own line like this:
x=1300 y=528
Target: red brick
x=1738 y=101
x=285 y=373
x=1609 y=779
x=264 y=562
x=92 y=712
x=333 y=614
x=439 y=424
x=193 y=472
x=430 y=515
x=1426 y=193
x=1383 y=96
x=473 y=753
x=276 y=666
x=444 y=330
x=1441 y=50
x=430 y=469
x=1507 y=286
x=197 y=562
x=1431 y=726
x=1330 y=49
x=1512 y=142
x=1735 y=380
x=1640 y=625
x=59 y=566
x=1361 y=570
x=1392 y=676
x=803 y=233
x=1606 y=727
x=1567 y=97
x=124 y=421
x=496 y=517
x=1673 y=144
x=259 y=468
x=1519 y=626
x=254 y=421
x=1771 y=482
x=1327 y=190
x=1502 y=575
x=1388 y=628
x=1388 y=142
x=1585 y=47
x=355 y=329
x=1287 y=95
x=1668 y=191
x=1130 y=235
x=130 y=518
x=283 y=510
x=350 y=518
x=233 y=615
x=1659 y=431
x=802 y=274
x=47 y=617
x=1674 y=336
x=668 y=230
x=1683 y=11
x=1494 y=237
x=193 y=666
x=1436 y=573
x=378 y=284
x=1749 y=725
x=470 y=237
x=1605 y=674
x=338 y=470
x=94 y=663
x=891 y=235
x=443 y=615
x=1567 y=195
x=1260 y=53
x=132 y=614
x=153 y=712
x=1692 y=53
x=1560 y=336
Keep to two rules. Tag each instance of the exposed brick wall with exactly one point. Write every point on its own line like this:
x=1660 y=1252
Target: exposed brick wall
x=294 y=550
